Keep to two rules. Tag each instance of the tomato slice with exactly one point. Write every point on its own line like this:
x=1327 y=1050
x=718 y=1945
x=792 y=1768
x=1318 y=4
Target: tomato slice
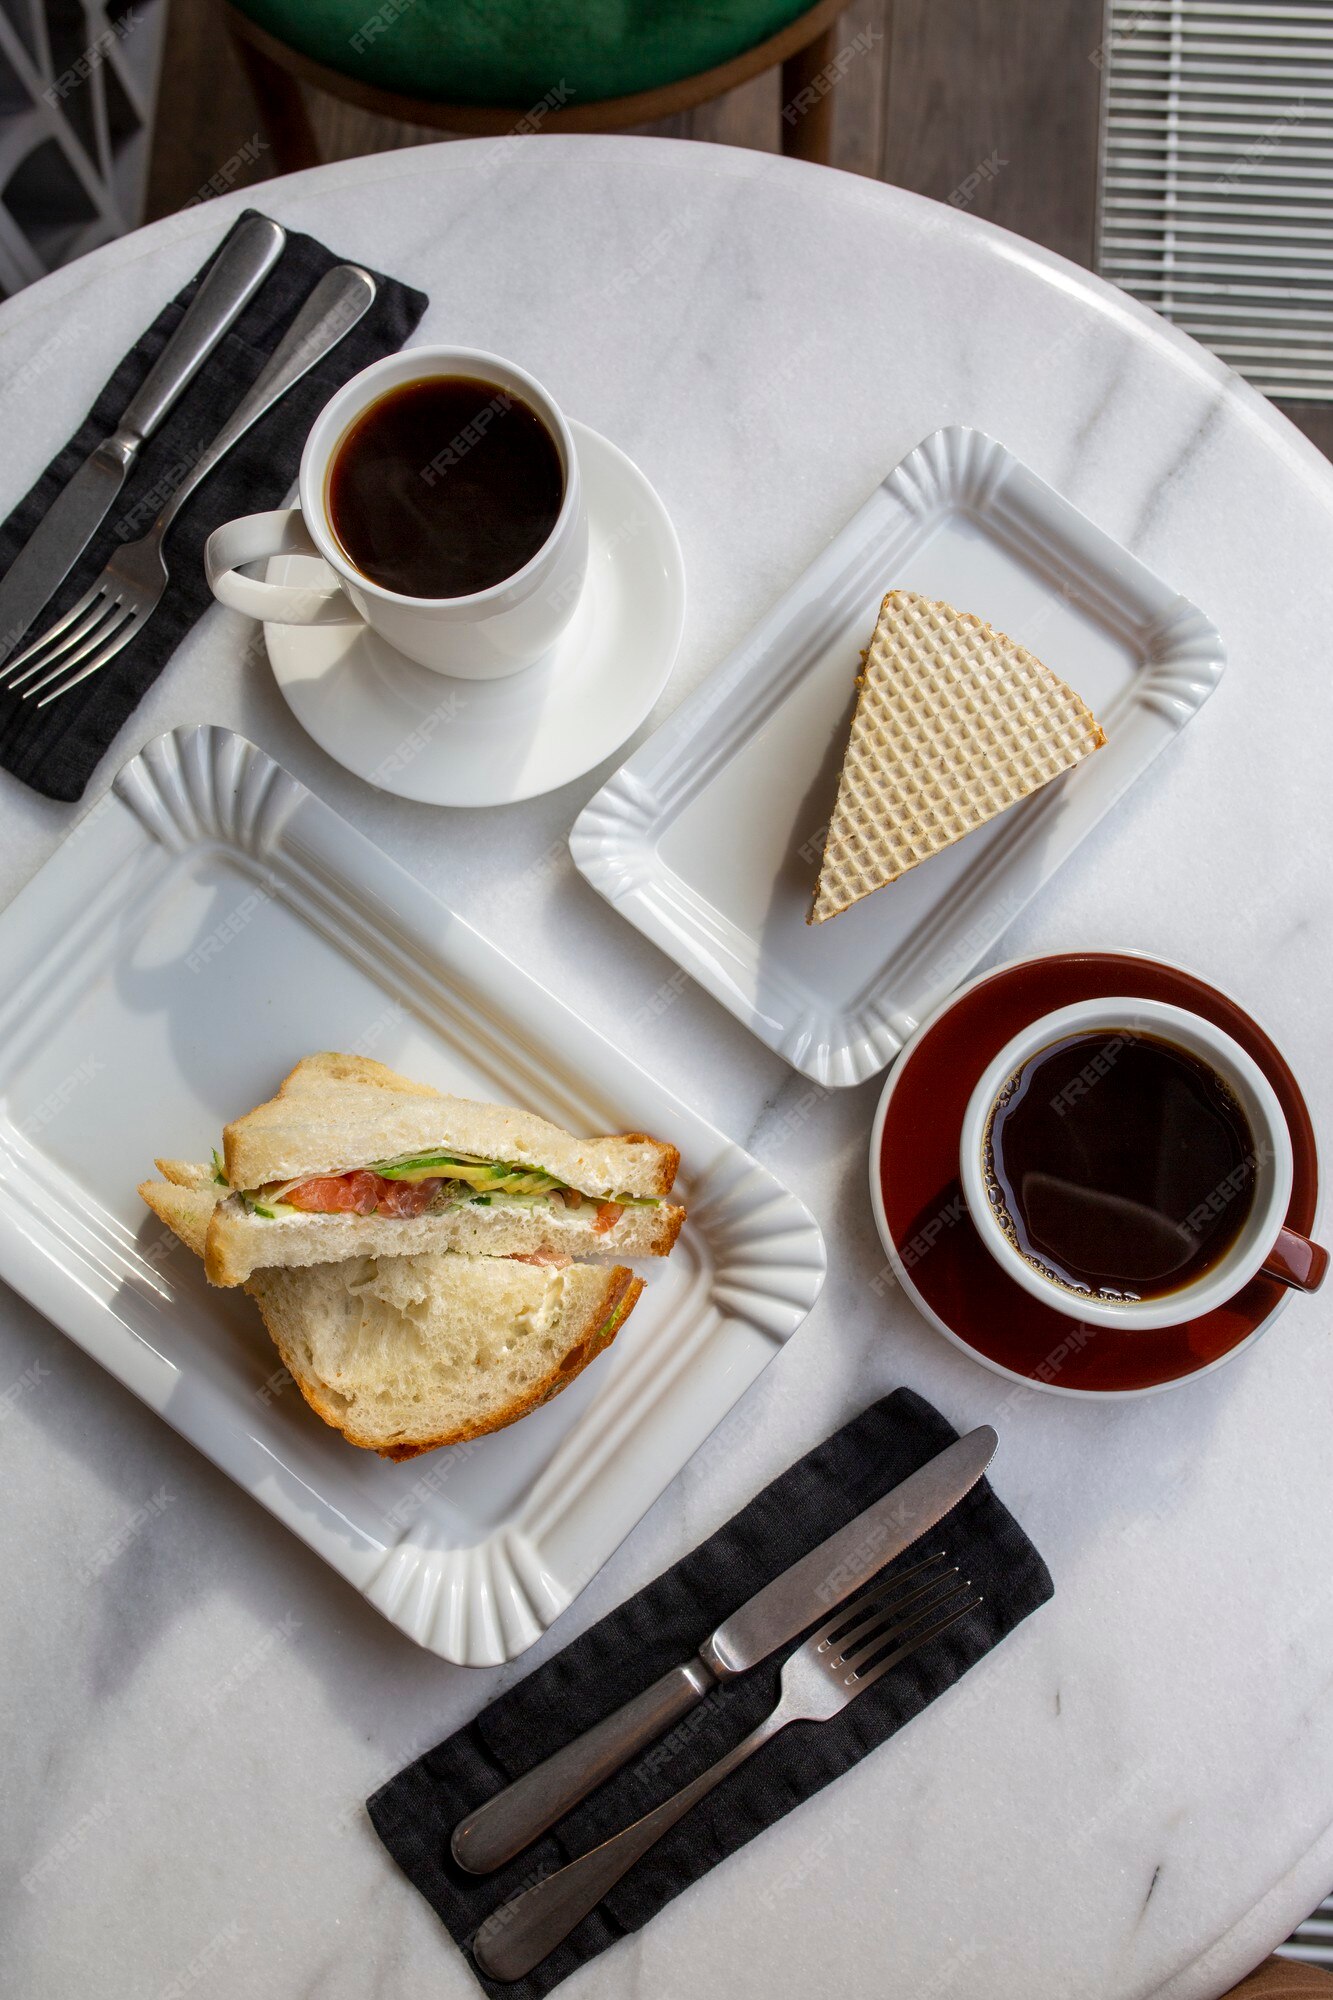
x=334 y=1194
x=361 y=1193
x=608 y=1215
x=405 y=1197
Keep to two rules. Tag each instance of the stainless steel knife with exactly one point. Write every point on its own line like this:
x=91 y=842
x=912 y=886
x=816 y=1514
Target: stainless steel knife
x=69 y=523
x=799 y=1597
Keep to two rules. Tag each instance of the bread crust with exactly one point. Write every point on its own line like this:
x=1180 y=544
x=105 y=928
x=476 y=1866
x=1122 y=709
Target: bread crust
x=335 y=1112
x=600 y=1329
x=188 y=1197
x=186 y=1210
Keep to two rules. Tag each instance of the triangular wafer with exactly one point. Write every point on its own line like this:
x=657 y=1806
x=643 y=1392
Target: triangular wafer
x=953 y=723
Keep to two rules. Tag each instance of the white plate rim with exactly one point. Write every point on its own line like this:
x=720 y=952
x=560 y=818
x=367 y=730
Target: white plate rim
x=614 y=840
x=206 y=785
x=283 y=644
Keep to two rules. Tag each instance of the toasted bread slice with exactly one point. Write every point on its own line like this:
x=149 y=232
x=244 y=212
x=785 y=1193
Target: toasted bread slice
x=954 y=723
x=239 y=1242
x=185 y=1204
x=335 y=1113
x=405 y=1354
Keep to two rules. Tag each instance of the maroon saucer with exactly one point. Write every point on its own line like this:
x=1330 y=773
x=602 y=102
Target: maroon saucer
x=942 y=1255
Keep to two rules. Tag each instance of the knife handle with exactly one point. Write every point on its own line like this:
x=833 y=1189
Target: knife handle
x=331 y=311
x=505 y=1825
x=232 y=280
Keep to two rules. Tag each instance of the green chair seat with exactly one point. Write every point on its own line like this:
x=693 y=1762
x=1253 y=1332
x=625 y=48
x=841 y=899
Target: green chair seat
x=517 y=52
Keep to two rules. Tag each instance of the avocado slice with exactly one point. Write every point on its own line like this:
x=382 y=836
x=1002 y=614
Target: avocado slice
x=488 y=1176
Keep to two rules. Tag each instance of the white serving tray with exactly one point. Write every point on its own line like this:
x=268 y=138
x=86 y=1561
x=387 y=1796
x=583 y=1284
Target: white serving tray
x=708 y=838
x=209 y=922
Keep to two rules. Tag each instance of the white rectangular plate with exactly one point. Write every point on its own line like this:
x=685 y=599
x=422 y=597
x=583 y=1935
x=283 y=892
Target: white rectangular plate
x=708 y=838
x=207 y=924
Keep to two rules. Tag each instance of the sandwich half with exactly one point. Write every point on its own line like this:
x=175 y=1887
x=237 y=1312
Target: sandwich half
x=352 y=1160
x=403 y=1354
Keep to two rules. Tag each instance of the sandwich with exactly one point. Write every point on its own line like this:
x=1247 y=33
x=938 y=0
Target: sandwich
x=403 y=1354
x=352 y=1160
x=954 y=723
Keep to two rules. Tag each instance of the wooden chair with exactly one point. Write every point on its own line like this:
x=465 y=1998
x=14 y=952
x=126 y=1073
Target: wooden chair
x=805 y=48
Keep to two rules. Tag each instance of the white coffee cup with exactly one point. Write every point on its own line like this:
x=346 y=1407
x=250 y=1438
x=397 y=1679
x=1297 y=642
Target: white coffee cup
x=484 y=636
x=1264 y=1243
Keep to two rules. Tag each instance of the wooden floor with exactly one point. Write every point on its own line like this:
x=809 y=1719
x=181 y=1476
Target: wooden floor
x=941 y=94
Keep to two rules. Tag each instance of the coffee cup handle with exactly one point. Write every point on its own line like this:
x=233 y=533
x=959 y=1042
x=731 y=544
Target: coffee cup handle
x=1295 y=1261
x=252 y=538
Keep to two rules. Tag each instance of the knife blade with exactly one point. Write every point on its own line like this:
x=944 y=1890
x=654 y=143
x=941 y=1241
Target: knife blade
x=819 y=1582
x=69 y=523
x=799 y=1597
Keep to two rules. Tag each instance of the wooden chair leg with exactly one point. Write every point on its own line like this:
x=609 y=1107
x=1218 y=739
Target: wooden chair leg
x=282 y=109
x=807 y=100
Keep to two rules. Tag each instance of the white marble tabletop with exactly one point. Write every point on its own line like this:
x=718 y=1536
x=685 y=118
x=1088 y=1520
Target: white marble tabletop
x=1135 y=1795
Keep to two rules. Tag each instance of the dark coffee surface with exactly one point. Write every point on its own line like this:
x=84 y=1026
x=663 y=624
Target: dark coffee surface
x=57 y=749
x=444 y=487
x=1121 y=1164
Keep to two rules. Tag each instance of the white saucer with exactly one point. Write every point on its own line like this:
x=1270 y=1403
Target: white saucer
x=453 y=742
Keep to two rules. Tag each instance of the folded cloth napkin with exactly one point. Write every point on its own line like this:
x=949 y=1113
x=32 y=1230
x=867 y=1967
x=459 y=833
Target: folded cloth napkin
x=416 y=1812
x=56 y=749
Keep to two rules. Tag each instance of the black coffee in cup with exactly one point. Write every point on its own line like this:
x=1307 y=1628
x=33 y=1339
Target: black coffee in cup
x=445 y=487
x=1119 y=1164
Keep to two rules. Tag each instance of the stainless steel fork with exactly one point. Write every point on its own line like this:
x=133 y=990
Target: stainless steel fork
x=129 y=589
x=865 y=1639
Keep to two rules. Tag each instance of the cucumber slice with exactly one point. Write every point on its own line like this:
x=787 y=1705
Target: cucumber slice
x=484 y=1175
x=270 y=1210
x=439 y=1166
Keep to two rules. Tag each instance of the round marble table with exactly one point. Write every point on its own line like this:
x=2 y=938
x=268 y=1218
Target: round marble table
x=1134 y=1796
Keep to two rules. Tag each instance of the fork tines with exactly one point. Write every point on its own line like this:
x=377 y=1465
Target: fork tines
x=99 y=622
x=875 y=1631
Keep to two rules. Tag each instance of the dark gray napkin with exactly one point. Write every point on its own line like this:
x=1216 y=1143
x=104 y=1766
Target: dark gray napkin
x=416 y=1812
x=56 y=749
